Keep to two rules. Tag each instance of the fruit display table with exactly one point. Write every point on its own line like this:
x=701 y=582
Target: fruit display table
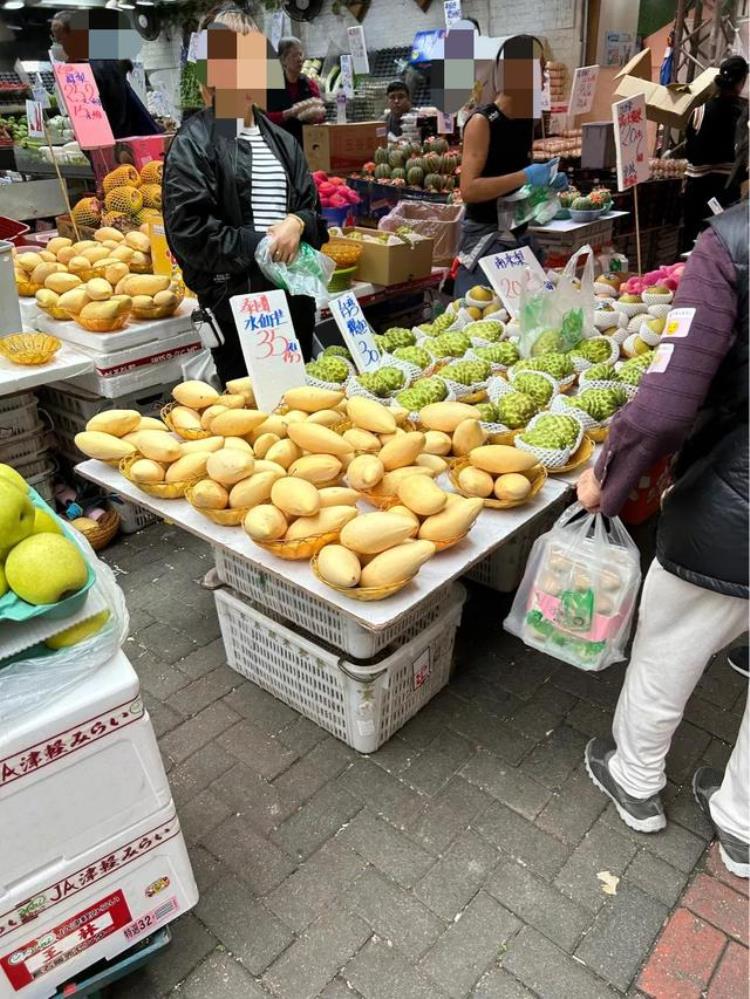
x=134 y=333
x=493 y=529
x=568 y=225
x=67 y=363
x=372 y=294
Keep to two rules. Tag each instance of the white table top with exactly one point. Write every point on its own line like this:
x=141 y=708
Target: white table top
x=491 y=530
x=66 y=363
x=133 y=334
x=568 y=225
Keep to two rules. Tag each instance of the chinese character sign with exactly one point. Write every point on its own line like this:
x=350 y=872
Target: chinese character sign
x=357 y=335
x=347 y=75
x=452 y=9
x=269 y=345
x=583 y=89
x=81 y=95
x=358 y=49
x=504 y=271
x=629 y=118
x=35 y=119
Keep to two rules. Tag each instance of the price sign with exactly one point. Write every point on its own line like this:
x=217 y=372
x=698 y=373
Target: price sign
x=445 y=123
x=358 y=49
x=629 y=118
x=269 y=345
x=40 y=93
x=81 y=96
x=347 y=75
x=452 y=9
x=357 y=335
x=504 y=271
x=35 y=119
x=583 y=89
x=558 y=119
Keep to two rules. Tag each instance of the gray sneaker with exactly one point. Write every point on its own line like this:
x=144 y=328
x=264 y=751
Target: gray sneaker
x=734 y=852
x=645 y=815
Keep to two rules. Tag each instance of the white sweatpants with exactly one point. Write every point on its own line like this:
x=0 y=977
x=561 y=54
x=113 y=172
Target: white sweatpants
x=680 y=627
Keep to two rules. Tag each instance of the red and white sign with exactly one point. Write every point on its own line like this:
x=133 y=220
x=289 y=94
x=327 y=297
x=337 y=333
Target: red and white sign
x=629 y=117
x=504 y=272
x=81 y=95
x=30 y=961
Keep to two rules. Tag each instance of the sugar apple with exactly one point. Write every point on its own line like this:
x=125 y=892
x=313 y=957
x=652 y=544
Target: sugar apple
x=329 y=369
x=499 y=353
x=534 y=385
x=422 y=393
x=554 y=431
x=547 y=342
x=487 y=412
x=337 y=350
x=602 y=373
x=515 y=409
x=453 y=344
x=399 y=336
x=486 y=329
x=596 y=350
x=413 y=355
x=599 y=403
x=467 y=372
x=558 y=365
x=383 y=382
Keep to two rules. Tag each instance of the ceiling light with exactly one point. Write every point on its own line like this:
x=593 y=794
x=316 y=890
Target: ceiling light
x=126 y=5
x=144 y=3
x=13 y=5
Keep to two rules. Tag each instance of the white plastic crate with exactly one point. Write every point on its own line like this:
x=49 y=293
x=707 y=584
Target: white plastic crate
x=83 y=404
x=19 y=420
x=11 y=402
x=44 y=484
x=23 y=447
x=317 y=617
x=132 y=517
x=363 y=705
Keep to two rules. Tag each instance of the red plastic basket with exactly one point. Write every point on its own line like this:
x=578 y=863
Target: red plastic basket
x=12 y=231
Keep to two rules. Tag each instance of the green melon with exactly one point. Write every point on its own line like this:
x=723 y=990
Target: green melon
x=381 y=154
x=415 y=176
x=382 y=171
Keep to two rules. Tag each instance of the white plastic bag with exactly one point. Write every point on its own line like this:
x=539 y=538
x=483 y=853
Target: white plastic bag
x=38 y=676
x=579 y=591
x=308 y=274
x=556 y=318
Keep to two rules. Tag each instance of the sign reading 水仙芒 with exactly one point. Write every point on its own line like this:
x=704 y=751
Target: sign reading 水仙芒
x=504 y=271
x=629 y=117
x=81 y=96
x=269 y=345
x=355 y=330
x=583 y=90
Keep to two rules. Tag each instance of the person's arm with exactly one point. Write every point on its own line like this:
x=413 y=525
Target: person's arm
x=662 y=414
x=314 y=88
x=476 y=149
x=195 y=232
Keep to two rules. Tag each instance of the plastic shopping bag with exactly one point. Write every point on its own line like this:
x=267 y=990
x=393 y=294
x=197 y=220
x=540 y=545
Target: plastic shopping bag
x=308 y=274
x=557 y=317
x=579 y=591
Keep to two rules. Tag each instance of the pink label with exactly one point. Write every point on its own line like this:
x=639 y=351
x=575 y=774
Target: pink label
x=603 y=629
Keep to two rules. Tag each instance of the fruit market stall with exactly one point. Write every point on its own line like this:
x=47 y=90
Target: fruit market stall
x=65 y=362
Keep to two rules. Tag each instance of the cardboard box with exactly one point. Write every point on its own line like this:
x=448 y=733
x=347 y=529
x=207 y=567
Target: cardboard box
x=671 y=105
x=639 y=66
x=340 y=149
x=386 y=265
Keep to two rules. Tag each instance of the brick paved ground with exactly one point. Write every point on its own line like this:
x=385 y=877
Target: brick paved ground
x=468 y=857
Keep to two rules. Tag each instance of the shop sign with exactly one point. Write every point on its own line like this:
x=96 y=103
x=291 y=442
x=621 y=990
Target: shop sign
x=631 y=142
x=583 y=90
x=269 y=345
x=81 y=95
x=505 y=270
x=355 y=330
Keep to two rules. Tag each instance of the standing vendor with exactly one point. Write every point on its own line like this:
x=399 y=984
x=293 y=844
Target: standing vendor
x=497 y=159
x=710 y=148
x=399 y=103
x=299 y=102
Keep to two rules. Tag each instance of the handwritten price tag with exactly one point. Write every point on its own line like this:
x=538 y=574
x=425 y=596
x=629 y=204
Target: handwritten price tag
x=504 y=271
x=35 y=119
x=347 y=75
x=81 y=96
x=629 y=117
x=358 y=49
x=357 y=335
x=271 y=350
x=452 y=9
x=583 y=89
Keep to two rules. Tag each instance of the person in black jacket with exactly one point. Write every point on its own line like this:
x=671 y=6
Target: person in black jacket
x=231 y=177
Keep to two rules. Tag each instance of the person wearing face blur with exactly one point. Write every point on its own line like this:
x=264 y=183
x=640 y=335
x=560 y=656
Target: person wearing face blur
x=289 y=106
x=399 y=102
x=72 y=40
x=231 y=177
x=497 y=159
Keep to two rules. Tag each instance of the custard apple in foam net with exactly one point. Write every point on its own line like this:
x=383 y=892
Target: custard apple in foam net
x=499 y=353
x=534 y=385
x=552 y=430
x=558 y=365
x=515 y=409
x=413 y=355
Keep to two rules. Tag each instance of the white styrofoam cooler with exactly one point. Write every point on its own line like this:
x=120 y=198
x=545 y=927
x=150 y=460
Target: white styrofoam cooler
x=134 y=333
x=145 y=377
x=109 y=364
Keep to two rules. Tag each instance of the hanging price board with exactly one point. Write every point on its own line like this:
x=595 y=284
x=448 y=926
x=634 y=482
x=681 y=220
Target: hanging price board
x=583 y=90
x=452 y=9
x=355 y=330
x=269 y=345
x=629 y=118
x=81 y=95
x=504 y=271
x=358 y=49
x=347 y=75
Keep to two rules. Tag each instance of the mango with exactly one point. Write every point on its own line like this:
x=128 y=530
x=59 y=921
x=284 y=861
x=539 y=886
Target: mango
x=209 y=413
x=188 y=467
x=360 y=440
x=205 y=446
x=317 y=439
x=326 y=417
x=402 y=450
x=193 y=394
x=62 y=282
x=468 y=435
x=420 y=494
x=209 y=495
x=240 y=443
x=369 y=415
x=338 y=496
x=445 y=416
x=497 y=459
x=475 y=482
x=338 y=566
x=229 y=466
x=145 y=470
x=295 y=497
x=237 y=422
x=184 y=418
x=310 y=399
x=371 y=533
x=115 y=421
x=151 y=423
x=263 y=444
x=243 y=387
x=365 y=472
x=453 y=522
x=329 y=518
x=512 y=486
x=105 y=447
x=253 y=491
x=319 y=469
x=265 y=523
x=436 y=442
x=435 y=464
x=74 y=300
x=392 y=480
x=397 y=564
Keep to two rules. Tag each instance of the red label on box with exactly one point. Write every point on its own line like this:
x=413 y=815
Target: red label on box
x=88 y=927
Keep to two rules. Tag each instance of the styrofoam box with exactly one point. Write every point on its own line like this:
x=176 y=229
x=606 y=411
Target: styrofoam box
x=362 y=704
x=164 y=373
x=109 y=364
x=85 y=404
x=113 y=896
x=74 y=773
x=133 y=334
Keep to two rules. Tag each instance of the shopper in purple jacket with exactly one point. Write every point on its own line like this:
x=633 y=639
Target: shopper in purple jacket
x=692 y=402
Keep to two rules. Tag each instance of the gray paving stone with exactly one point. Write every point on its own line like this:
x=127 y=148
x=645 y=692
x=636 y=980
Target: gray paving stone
x=395 y=756
x=200 y=693
x=315 y=957
x=428 y=723
x=687 y=748
x=525 y=678
x=202 y=813
x=601 y=849
x=246 y=927
x=339 y=989
x=553 y=700
x=674 y=844
x=263 y=754
x=622 y=935
x=508 y=784
x=254 y=859
x=658 y=879
x=199 y=771
x=539 y=904
x=516 y=837
x=248 y=794
x=550 y=972
x=486 y=730
x=383 y=794
x=319 y=818
x=195 y=733
x=301 y=735
x=165 y=643
x=723 y=724
x=573 y=809
x=601 y=689
x=387 y=848
x=382 y=972
x=316 y=884
x=163 y=718
x=322 y=763
x=682 y=808
x=207 y=869
x=437 y=763
x=720 y=685
x=220 y=977
x=265 y=711
x=718 y=753
x=448 y=814
x=591 y=719
x=159 y=678
x=461 y=956
x=205 y=660
x=393 y=913
x=534 y=721
x=458 y=875
x=555 y=757
x=500 y=984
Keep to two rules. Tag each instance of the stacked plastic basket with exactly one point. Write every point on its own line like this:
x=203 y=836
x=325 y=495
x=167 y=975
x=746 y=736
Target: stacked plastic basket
x=23 y=441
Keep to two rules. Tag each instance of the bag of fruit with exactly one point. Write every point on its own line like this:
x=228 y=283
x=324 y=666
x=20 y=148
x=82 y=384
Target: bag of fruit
x=556 y=317
x=579 y=591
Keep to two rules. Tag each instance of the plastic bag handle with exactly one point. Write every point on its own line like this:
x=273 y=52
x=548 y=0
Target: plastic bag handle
x=570 y=267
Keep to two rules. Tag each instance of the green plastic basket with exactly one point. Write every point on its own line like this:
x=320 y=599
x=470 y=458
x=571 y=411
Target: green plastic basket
x=342 y=279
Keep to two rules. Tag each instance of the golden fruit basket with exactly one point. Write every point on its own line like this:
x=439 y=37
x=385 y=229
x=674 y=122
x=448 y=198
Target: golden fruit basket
x=343 y=252
x=379 y=500
x=29 y=348
x=102 y=325
x=598 y=435
x=159 y=490
x=27 y=289
x=365 y=594
x=136 y=268
x=186 y=435
x=161 y=311
x=226 y=518
x=104 y=530
x=443 y=546
x=302 y=548
x=537 y=482
x=61 y=315
x=581 y=457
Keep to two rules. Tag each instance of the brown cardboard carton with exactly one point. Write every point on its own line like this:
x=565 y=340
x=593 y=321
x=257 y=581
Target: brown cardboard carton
x=639 y=65
x=341 y=149
x=387 y=265
x=673 y=105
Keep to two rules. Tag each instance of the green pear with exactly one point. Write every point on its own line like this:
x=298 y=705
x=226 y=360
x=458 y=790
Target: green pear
x=16 y=516
x=45 y=568
x=78 y=632
x=45 y=522
x=8 y=474
x=3 y=582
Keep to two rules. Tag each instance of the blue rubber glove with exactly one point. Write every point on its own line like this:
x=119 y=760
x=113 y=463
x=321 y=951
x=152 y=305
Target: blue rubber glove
x=559 y=182
x=537 y=174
